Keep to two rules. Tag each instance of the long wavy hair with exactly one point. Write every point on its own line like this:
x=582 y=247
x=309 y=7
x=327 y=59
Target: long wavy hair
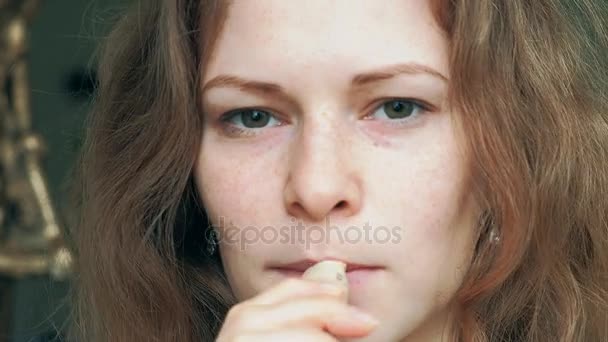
x=530 y=82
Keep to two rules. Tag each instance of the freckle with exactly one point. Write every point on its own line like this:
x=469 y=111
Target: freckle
x=381 y=143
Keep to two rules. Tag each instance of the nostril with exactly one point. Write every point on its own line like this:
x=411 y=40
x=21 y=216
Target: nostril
x=341 y=204
x=297 y=209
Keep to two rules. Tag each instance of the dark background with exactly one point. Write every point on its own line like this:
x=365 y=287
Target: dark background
x=63 y=37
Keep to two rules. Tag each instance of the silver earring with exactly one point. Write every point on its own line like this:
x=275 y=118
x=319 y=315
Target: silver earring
x=494 y=236
x=211 y=242
x=487 y=224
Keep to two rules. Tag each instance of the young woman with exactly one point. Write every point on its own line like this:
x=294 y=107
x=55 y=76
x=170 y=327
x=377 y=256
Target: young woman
x=454 y=154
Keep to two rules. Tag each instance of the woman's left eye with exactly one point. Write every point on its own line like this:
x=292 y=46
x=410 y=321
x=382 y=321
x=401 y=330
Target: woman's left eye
x=400 y=110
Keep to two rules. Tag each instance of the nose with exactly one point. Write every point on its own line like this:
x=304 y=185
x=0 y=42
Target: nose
x=322 y=178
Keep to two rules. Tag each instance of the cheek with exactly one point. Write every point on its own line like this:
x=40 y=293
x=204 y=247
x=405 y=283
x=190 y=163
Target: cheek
x=232 y=188
x=242 y=195
x=235 y=193
x=439 y=243
x=427 y=193
x=438 y=204
x=439 y=230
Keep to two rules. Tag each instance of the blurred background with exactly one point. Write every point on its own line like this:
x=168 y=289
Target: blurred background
x=47 y=80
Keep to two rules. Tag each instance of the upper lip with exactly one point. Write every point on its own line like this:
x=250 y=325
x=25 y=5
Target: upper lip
x=304 y=264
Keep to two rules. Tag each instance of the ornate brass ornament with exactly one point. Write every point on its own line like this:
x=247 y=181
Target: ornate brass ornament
x=30 y=230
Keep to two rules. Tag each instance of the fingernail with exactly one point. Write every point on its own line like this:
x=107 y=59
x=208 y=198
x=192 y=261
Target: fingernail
x=364 y=317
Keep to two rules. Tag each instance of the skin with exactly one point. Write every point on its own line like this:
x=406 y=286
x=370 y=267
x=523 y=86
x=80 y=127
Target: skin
x=326 y=149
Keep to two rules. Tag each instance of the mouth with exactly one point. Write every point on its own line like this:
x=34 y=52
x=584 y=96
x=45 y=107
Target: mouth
x=355 y=272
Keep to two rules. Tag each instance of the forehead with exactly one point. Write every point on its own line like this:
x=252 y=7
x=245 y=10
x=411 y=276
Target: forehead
x=287 y=38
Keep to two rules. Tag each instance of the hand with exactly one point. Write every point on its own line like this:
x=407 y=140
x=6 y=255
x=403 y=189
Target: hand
x=296 y=310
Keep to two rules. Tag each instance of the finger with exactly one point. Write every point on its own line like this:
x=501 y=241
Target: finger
x=292 y=335
x=327 y=271
x=331 y=272
x=294 y=287
x=323 y=312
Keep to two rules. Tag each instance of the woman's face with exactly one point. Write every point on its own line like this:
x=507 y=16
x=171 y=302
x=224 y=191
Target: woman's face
x=327 y=135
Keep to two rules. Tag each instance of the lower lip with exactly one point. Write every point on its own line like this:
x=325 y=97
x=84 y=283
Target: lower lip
x=355 y=277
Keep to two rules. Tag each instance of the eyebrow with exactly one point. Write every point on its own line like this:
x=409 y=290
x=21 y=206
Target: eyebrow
x=232 y=81
x=395 y=70
x=267 y=88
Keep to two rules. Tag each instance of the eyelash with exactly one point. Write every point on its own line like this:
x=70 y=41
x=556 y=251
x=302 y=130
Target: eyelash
x=231 y=129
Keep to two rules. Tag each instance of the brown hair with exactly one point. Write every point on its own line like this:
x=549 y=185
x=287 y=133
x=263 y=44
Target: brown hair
x=530 y=82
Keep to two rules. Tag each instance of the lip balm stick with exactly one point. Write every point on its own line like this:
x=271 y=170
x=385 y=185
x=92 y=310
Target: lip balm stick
x=328 y=271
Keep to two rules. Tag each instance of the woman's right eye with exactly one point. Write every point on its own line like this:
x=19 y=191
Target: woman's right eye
x=247 y=120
